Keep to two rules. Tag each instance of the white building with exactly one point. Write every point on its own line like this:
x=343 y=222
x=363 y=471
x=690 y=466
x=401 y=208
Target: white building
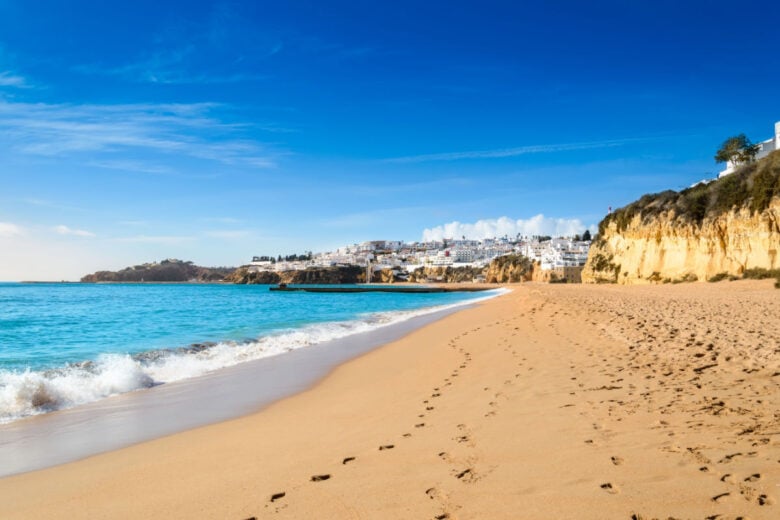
x=764 y=149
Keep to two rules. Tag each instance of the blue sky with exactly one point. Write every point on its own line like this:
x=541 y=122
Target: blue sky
x=214 y=131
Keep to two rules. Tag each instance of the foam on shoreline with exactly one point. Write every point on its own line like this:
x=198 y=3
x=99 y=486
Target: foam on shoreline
x=222 y=381
x=34 y=392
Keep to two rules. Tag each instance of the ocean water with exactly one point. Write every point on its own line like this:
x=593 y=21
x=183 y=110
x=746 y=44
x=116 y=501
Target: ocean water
x=62 y=345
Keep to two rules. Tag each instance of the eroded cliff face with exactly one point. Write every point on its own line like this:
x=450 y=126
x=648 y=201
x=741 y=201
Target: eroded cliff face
x=509 y=269
x=666 y=248
x=320 y=275
x=445 y=274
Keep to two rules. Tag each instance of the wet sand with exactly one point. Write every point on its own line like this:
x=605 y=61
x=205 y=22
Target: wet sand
x=108 y=424
x=548 y=402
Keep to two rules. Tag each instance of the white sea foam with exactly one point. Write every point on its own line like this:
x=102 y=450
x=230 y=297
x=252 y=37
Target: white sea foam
x=35 y=392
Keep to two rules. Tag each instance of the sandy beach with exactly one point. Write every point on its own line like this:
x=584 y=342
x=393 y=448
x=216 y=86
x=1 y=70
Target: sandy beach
x=552 y=401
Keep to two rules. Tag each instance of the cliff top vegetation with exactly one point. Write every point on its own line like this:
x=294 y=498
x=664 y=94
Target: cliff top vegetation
x=165 y=271
x=752 y=186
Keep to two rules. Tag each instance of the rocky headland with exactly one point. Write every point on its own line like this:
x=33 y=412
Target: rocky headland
x=728 y=228
x=171 y=270
x=314 y=275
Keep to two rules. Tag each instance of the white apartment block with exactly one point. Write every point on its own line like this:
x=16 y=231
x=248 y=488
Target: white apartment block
x=764 y=149
x=556 y=253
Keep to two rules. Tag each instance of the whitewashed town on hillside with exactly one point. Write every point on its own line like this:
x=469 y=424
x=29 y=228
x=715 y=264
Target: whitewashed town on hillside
x=550 y=253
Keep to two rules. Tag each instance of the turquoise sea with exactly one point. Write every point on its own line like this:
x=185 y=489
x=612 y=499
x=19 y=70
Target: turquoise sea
x=62 y=345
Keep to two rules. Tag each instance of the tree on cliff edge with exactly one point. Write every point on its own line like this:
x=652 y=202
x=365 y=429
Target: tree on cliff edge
x=737 y=149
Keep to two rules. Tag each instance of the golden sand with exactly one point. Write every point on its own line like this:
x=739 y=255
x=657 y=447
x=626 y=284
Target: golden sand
x=549 y=402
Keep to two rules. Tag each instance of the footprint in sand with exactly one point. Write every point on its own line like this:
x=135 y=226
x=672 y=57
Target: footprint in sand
x=277 y=496
x=386 y=447
x=319 y=478
x=718 y=498
x=728 y=458
x=347 y=459
x=617 y=461
x=467 y=475
x=610 y=488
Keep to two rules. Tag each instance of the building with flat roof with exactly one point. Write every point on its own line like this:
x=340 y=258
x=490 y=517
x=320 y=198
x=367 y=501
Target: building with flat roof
x=764 y=148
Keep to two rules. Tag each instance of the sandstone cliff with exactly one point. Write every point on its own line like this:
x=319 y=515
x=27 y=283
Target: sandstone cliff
x=446 y=274
x=165 y=271
x=722 y=228
x=315 y=275
x=509 y=269
x=504 y=269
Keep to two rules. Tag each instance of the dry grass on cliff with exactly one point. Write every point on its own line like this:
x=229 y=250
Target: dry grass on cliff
x=752 y=186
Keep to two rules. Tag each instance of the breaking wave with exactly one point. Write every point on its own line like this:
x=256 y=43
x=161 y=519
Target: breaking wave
x=33 y=392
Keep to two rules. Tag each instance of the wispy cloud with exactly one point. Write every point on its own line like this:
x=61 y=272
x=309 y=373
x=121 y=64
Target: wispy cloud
x=8 y=230
x=222 y=220
x=230 y=234
x=9 y=79
x=50 y=204
x=191 y=130
x=167 y=68
x=513 y=152
x=132 y=166
x=493 y=228
x=146 y=239
x=65 y=230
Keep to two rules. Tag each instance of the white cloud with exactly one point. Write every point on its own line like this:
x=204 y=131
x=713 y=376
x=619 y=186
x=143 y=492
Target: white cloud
x=146 y=239
x=8 y=230
x=9 y=79
x=104 y=131
x=512 y=152
x=65 y=230
x=492 y=228
x=132 y=166
x=222 y=220
x=228 y=234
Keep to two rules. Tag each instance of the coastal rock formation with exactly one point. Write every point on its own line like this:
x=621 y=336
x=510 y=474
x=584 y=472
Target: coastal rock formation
x=504 y=269
x=386 y=276
x=718 y=229
x=509 y=269
x=170 y=270
x=446 y=274
x=314 y=275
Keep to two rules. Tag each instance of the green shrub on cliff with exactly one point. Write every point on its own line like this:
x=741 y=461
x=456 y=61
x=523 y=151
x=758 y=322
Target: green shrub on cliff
x=759 y=273
x=752 y=186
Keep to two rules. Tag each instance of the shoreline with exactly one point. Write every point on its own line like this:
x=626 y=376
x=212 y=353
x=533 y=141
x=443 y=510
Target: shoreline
x=549 y=401
x=66 y=435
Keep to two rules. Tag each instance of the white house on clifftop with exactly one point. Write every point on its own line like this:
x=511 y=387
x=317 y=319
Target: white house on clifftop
x=764 y=149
